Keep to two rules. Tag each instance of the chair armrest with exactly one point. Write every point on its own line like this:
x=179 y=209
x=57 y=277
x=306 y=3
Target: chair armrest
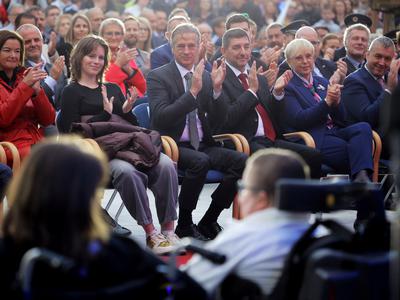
x=376 y=152
x=14 y=153
x=228 y=136
x=170 y=147
x=305 y=136
x=245 y=143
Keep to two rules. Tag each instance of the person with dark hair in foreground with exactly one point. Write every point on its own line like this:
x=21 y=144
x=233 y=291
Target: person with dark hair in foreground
x=66 y=219
x=256 y=246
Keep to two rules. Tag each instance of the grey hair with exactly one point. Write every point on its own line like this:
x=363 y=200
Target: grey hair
x=185 y=28
x=382 y=41
x=12 y=6
x=346 y=35
x=273 y=25
x=173 y=19
x=233 y=33
x=24 y=27
x=108 y=22
x=293 y=47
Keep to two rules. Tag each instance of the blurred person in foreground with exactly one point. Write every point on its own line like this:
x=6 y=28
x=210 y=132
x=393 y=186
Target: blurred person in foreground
x=251 y=244
x=66 y=218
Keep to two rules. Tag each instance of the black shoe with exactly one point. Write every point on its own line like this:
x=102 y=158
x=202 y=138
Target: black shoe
x=115 y=227
x=190 y=231
x=210 y=230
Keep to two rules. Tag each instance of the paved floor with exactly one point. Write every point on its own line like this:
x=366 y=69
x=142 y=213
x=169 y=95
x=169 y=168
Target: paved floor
x=345 y=217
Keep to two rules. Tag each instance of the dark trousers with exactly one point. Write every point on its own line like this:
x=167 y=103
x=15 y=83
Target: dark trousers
x=196 y=164
x=5 y=176
x=311 y=156
x=349 y=149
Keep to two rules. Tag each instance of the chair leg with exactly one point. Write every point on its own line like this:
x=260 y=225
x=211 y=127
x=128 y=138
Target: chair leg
x=114 y=194
x=121 y=207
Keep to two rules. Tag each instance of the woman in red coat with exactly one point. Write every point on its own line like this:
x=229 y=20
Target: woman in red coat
x=23 y=103
x=123 y=69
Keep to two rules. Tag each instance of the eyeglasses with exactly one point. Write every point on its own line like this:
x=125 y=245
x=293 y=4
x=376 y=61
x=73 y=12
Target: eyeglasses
x=110 y=33
x=241 y=187
x=315 y=43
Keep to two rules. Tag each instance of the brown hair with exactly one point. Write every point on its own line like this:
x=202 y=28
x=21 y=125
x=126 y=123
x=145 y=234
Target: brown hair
x=45 y=211
x=6 y=35
x=84 y=47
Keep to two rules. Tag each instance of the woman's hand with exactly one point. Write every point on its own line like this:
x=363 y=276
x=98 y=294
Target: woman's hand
x=33 y=75
x=131 y=98
x=107 y=103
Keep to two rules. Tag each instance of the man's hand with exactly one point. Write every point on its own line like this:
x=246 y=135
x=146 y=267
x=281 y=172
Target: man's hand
x=271 y=74
x=218 y=75
x=197 y=78
x=57 y=68
x=203 y=49
x=269 y=55
x=52 y=44
x=107 y=103
x=253 y=80
x=392 y=80
x=282 y=82
x=130 y=99
x=333 y=94
x=340 y=73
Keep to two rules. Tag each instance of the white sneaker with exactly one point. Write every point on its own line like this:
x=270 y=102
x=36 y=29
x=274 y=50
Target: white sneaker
x=175 y=241
x=159 y=244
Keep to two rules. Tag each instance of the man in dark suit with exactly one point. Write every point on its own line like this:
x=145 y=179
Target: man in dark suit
x=323 y=68
x=365 y=91
x=356 y=39
x=247 y=96
x=186 y=103
x=55 y=82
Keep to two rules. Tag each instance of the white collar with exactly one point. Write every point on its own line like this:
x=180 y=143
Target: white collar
x=237 y=71
x=182 y=70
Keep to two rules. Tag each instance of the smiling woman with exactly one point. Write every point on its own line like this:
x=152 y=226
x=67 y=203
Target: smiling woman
x=23 y=102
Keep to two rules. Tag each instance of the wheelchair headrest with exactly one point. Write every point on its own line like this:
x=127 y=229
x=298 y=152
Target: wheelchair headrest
x=298 y=195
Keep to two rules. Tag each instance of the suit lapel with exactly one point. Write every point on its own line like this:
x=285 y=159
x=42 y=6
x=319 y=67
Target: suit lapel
x=176 y=76
x=307 y=96
x=233 y=80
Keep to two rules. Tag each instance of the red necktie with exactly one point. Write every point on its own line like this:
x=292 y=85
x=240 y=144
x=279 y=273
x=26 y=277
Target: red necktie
x=269 y=130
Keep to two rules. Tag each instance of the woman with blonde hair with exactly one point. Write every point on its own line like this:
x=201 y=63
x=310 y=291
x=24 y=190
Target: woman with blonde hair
x=80 y=27
x=145 y=33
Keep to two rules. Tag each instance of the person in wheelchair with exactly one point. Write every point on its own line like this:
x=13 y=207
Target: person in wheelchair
x=256 y=246
x=55 y=204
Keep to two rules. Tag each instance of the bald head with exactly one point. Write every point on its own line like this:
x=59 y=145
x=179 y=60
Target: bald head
x=33 y=42
x=308 y=33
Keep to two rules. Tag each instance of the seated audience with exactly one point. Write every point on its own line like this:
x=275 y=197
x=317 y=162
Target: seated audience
x=87 y=99
x=23 y=102
x=186 y=102
x=257 y=245
x=313 y=106
x=123 y=69
x=65 y=218
x=252 y=109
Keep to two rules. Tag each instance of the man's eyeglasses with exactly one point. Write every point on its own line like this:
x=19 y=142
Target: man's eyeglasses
x=110 y=33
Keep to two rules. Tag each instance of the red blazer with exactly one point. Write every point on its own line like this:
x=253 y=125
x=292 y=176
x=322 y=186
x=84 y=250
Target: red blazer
x=21 y=113
x=115 y=75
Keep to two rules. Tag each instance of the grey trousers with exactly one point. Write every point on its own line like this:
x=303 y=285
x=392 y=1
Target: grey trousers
x=132 y=184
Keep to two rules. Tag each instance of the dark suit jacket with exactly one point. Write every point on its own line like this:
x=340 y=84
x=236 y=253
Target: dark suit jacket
x=350 y=67
x=326 y=67
x=61 y=83
x=242 y=116
x=303 y=112
x=339 y=53
x=169 y=103
x=363 y=97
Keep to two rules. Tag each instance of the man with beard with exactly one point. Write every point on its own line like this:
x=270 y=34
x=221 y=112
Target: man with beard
x=142 y=58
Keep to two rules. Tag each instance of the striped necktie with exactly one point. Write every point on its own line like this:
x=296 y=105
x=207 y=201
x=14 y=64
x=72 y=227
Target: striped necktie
x=317 y=98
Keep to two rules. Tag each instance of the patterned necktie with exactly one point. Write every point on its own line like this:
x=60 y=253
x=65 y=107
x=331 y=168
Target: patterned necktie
x=381 y=82
x=310 y=87
x=269 y=129
x=192 y=117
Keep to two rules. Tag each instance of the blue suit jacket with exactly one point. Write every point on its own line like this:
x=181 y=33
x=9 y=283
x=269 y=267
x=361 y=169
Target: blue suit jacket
x=363 y=97
x=303 y=113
